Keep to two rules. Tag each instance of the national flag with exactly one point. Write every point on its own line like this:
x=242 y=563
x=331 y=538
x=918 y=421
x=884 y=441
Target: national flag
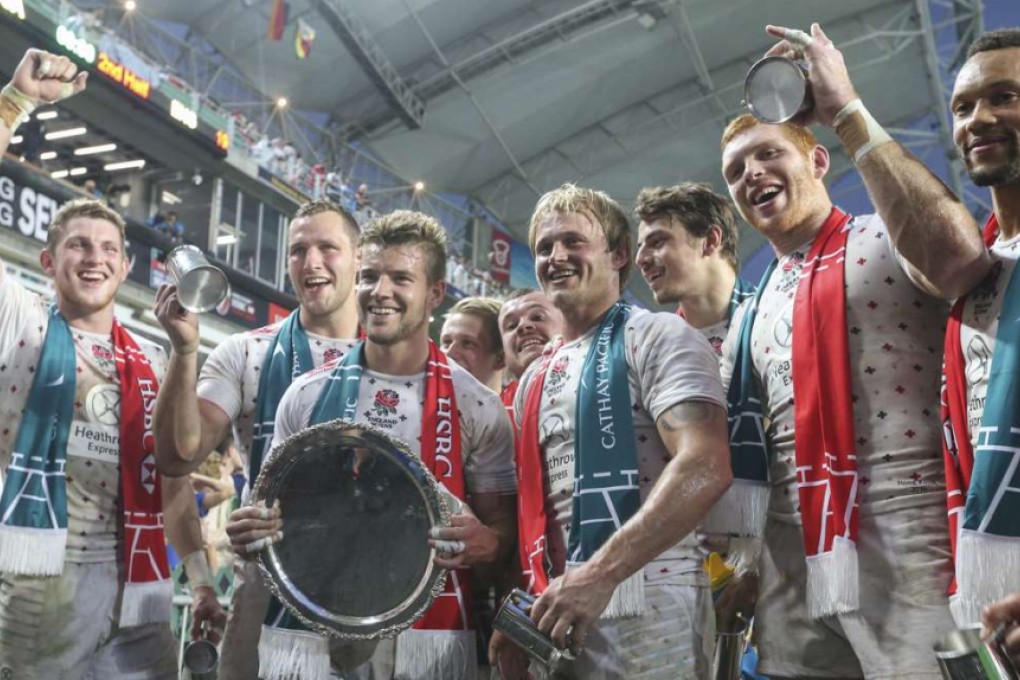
x=277 y=20
x=304 y=36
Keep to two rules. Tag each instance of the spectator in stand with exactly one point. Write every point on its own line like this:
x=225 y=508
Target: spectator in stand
x=214 y=492
x=171 y=226
x=362 y=198
x=91 y=190
x=278 y=156
x=31 y=139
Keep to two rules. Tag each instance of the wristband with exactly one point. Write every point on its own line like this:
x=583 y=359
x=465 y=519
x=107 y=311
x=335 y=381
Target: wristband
x=196 y=566
x=858 y=130
x=15 y=107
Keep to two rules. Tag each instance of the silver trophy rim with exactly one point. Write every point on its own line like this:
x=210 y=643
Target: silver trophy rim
x=756 y=66
x=433 y=582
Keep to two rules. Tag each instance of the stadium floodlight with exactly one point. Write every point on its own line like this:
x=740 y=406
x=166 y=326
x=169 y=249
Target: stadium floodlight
x=59 y=174
x=419 y=187
x=130 y=5
x=99 y=148
x=47 y=155
x=64 y=134
x=46 y=115
x=125 y=165
x=281 y=103
x=76 y=172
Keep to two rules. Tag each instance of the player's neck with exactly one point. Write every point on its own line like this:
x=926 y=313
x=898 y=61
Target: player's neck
x=578 y=321
x=406 y=357
x=100 y=322
x=340 y=324
x=710 y=306
x=1006 y=200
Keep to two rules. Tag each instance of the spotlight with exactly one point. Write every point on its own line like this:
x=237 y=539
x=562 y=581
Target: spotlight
x=419 y=186
x=131 y=5
x=281 y=103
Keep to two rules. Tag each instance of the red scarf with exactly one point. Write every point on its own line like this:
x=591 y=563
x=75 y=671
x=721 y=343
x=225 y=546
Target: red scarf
x=823 y=420
x=508 y=395
x=532 y=523
x=957 y=451
x=441 y=454
x=148 y=589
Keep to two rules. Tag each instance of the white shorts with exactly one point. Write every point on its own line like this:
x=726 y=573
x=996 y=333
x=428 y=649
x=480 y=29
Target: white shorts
x=65 y=628
x=674 y=640
x=239 y=651
x=904 y=574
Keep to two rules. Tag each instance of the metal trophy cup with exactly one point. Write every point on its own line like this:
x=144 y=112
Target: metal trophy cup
x=200 y=659
x=964 y=655
x=729 y=650
x=776 y=90
x=514 y=621
x=200 y=285
x=357 y=507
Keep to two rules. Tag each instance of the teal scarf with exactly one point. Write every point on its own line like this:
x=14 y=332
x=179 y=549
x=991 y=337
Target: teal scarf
x=741 y=512
x=741 y=291
x=33 y=506
x=605 y=463
x=287 y=357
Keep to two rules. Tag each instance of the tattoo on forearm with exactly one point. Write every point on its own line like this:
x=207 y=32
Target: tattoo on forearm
x=688 y=412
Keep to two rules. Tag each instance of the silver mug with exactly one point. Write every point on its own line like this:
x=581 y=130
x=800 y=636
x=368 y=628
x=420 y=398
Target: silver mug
x=200 y=658
x=514 y=621
x=777 y=89
x=200 y=285
x=729 y=652
x=965 y=655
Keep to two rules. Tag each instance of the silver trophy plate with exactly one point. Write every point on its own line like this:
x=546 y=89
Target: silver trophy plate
x=357 y=507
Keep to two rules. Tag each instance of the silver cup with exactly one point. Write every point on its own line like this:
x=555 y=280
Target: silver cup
x=964 y=655
x=200 y=285
x=200 y=659
x=776 y=90
x=729 y=650
x=514 y=621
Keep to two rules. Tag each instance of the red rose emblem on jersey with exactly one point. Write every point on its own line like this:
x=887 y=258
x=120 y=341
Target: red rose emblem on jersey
x=558 y=371
x=386 y=402
x=331 y=354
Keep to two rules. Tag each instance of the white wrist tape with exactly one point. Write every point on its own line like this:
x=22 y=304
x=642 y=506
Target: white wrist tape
x=196 y=566
x=858 y=130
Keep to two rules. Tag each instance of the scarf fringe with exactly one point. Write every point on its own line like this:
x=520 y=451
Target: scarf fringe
x=146 y=602
x=833 y=580
x=628 y=600
x=741 y=511
x=291 y=654
x=32 y=552
x=987 y=570
x=743 y=553
x=427 y=654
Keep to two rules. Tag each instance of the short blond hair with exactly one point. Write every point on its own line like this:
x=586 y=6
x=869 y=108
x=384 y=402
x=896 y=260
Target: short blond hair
x=81 y=207
x=484 y=308
x=598 y=207
x=319 y=206
x=802 y=138
x=407 y=227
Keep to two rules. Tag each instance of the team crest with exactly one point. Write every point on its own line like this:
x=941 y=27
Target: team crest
x=331 y=354
x=101 y=353
x=386 y=402
x=791 y=272
x=558 y=371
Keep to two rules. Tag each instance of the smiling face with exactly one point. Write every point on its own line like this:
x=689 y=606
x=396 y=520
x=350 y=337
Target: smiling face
x=574 y=265
x=527 y=324
x=395 y=297
x=466 y=340
x=322 y=264
x=87 y=264
x=776 y=186
x=986 y=116
x=671 y=261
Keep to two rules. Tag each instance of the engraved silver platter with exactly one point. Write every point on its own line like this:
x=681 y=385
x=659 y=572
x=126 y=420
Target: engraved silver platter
x=357 y=506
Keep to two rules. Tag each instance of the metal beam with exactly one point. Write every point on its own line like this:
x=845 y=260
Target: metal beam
x=474 y=101
x=363 y=47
